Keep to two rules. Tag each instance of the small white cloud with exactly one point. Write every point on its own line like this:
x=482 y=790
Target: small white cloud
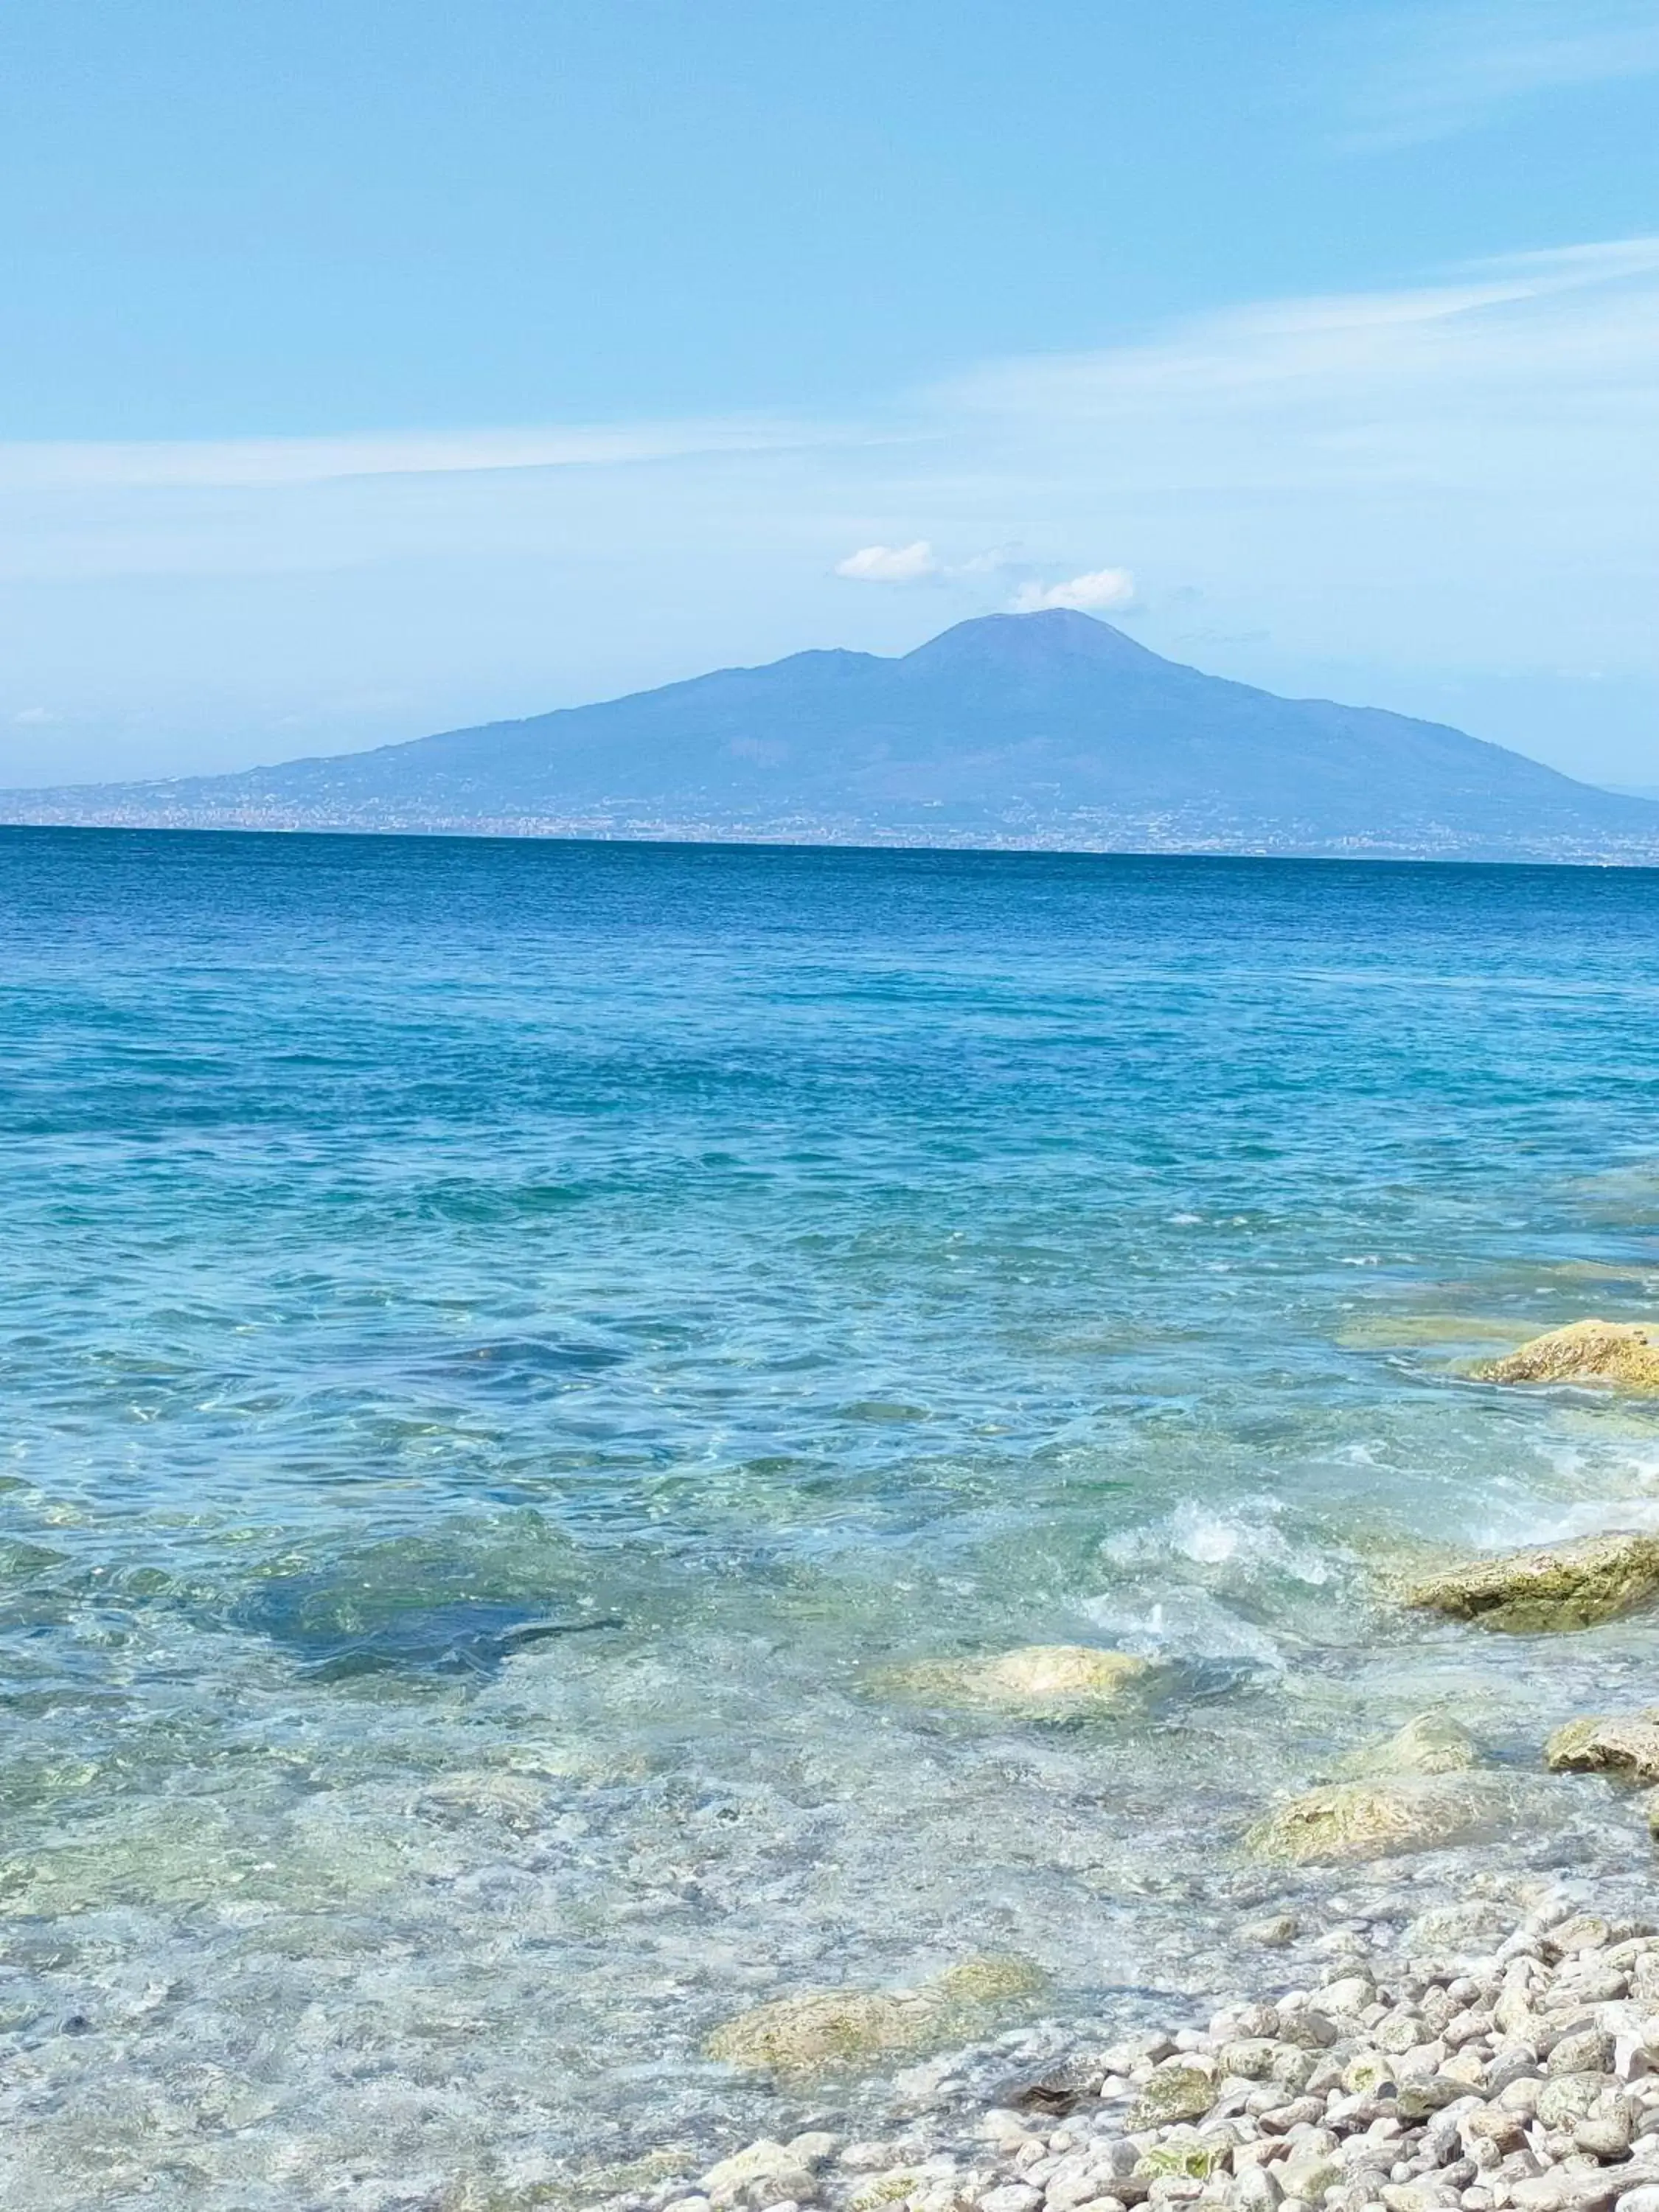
x=1097 y=592
x=890 y=564
x=31 y=717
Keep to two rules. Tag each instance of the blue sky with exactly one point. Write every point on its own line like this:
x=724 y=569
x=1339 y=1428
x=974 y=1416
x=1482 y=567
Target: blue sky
x=373 y=368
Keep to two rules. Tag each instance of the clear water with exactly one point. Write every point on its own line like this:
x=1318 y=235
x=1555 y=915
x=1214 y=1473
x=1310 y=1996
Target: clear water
x=766 y=1267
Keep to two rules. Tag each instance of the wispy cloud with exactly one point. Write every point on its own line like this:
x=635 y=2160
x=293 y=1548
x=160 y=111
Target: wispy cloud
x=1515 y=371
x=891 y=564
x=1101 y=591
x=255 y=462
x=1431 y=70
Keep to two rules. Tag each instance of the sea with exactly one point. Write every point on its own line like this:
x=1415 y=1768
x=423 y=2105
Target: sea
x=509 y=1348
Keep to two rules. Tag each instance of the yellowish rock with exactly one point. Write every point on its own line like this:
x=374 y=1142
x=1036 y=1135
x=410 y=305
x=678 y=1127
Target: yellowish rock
x=1626 y=1744
x=884 y=2188
x=834 y=2028
x=833 y=2031
x=1034 y=1678
x=1174 y=2092
x=1612 y=1355
x=825 y=2031
x=1429 y=1743
x=987 y=1982
x=1556 y=1587
x=1357 y=1820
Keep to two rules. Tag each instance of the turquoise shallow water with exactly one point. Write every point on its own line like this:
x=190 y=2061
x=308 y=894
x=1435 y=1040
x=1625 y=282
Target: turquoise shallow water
x=503 y=1343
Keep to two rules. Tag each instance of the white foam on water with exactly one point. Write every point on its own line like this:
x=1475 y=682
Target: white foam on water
x=1606 y=1484
x=1185 y=1625
x=1207 y=1583
x=1247 y=1539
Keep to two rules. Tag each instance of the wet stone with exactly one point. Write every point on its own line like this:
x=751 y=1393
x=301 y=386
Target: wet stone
x=1553 y=1588
x=1626 y=1745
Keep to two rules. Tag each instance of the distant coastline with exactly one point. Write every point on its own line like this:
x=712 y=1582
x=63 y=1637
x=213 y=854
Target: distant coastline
x=829 y=837
x=1041 y=732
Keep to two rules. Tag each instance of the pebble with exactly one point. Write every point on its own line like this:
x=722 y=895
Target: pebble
x=766 y=2175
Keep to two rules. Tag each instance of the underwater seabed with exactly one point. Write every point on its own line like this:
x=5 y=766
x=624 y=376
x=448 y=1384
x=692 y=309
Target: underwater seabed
x=280 y=1931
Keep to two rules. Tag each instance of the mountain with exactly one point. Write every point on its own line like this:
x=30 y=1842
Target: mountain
x=1048 y=729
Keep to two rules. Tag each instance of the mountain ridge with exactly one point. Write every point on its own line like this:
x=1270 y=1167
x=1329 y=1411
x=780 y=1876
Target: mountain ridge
x=1047 y=729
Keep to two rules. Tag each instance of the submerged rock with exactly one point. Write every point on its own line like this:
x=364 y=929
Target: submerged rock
x=1065 y=1678
x=1378 y=1331
x=987 y=1982
x=1274 y=1933
x=1429 y=1743
x=1626 y=1744
x=1556 y=1587
x=1614 y=1355
x=832 y=2030
x=1372 y=1820
x=516 y=1802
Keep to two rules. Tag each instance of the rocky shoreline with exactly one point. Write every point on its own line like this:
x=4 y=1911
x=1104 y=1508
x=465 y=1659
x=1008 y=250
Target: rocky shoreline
x=1525 y=2077
x=1443 y=2066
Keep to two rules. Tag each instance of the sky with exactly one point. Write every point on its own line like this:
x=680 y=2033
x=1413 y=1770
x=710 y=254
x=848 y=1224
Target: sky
x=385 y=366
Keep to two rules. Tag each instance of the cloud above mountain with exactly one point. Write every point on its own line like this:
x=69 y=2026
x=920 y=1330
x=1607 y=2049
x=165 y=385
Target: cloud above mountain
x=1100 y=591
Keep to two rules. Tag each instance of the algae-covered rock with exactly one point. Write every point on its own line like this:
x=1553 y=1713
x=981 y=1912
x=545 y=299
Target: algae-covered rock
x=833 y=2030
x=1612 y=1355
x=1556 y=1587
x=1062 y=1678
x=1366 y=2072
x=1173 y=2092
x=984 y=1982
x=1306 y=2177
x=1183 y=2154
x=1372 y=1820
x=1429 y=1743
x=1626 y=1744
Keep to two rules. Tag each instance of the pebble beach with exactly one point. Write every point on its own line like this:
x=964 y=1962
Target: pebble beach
x=1527 y=2075
x=1421 y=2076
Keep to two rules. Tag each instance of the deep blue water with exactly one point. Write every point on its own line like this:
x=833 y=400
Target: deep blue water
x=769 y=1266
